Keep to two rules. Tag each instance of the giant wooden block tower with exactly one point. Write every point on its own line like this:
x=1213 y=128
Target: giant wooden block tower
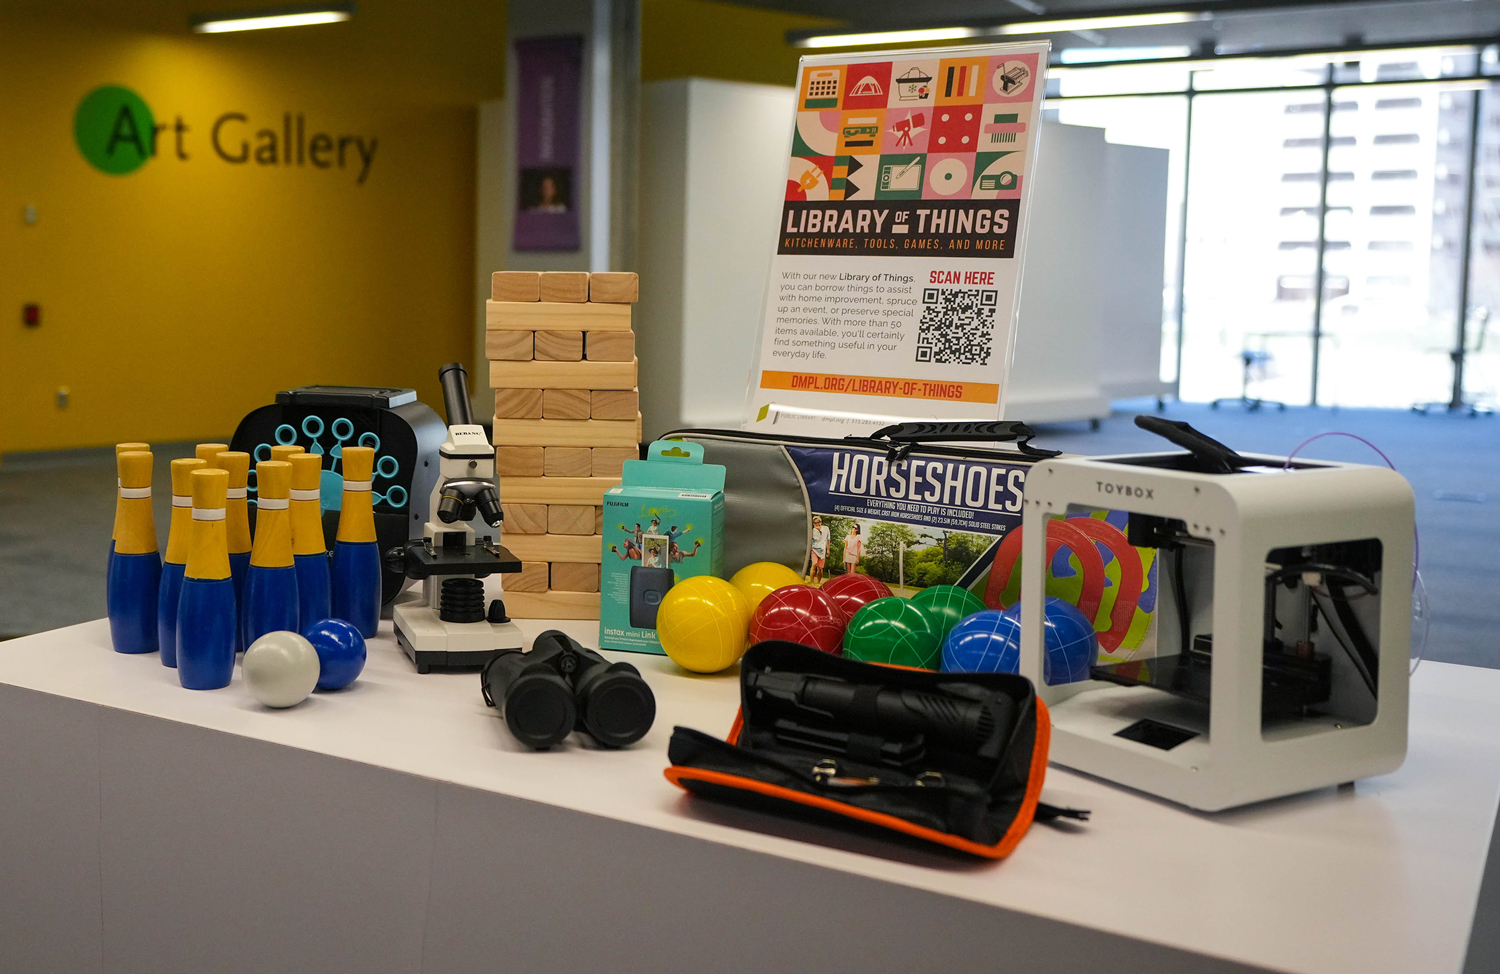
x=567 y=417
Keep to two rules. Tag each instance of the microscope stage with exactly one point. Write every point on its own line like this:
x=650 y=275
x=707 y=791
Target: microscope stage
x=430 y=642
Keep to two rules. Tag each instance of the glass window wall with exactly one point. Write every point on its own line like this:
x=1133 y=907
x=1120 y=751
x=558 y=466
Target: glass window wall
x=1349 y=170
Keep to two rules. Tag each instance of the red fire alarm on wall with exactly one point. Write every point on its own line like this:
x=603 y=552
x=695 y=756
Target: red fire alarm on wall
x=31 y=314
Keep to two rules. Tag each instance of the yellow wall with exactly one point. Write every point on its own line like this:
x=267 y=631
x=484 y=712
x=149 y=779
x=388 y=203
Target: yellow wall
x=706 y=39
x=177 y=298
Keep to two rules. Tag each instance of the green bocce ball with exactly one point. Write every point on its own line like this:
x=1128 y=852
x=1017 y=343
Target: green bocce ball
x=894 y=630
x=949 y=604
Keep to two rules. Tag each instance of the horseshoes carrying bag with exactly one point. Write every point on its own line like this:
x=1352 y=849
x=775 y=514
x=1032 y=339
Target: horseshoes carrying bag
x=914 y=505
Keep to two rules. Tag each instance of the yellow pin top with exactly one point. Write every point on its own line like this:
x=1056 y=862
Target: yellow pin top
x=285 y=451
x=273 y=529
x=126 y=448
x=208 y=551
x=207 y=451
x=273 y=480
x=359 y=463
x=182 y=508
x=307 y=504
x=135 y=469
x=357 y=517
x=135 y=527
x=237 y=524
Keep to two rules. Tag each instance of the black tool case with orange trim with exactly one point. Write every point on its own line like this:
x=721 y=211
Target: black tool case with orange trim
x=951 y=758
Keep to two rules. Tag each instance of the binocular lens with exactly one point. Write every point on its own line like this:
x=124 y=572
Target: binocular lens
x=560 y=686
x=539 y=709
x=618 y=708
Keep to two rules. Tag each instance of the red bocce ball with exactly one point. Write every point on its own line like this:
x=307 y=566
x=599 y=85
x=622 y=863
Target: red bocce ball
x=852 y=592
x=800 y=614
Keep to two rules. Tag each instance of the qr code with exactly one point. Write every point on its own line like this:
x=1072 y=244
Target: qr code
x=956 y=325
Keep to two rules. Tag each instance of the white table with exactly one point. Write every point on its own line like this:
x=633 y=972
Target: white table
x=396 y=826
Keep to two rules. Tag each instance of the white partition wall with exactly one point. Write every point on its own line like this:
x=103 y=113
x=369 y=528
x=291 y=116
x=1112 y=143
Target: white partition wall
x=713 y=166
x=1055 y=373
x=1131 y=274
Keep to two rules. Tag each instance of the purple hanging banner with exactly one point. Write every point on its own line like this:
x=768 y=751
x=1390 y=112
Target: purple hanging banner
x=547 y=136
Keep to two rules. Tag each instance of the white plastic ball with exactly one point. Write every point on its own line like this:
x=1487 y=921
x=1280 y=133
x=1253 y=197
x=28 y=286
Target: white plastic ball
x=281 y=669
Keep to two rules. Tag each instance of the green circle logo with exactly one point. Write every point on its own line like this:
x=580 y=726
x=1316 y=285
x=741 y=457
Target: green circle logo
x=114 y=129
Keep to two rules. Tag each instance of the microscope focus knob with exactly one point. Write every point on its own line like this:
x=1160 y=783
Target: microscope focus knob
x=395 y=559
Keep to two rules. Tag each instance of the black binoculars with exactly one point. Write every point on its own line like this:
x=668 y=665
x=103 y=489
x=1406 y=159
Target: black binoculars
x=560 y=687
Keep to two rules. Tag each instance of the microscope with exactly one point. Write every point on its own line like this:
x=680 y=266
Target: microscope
x=449 y=626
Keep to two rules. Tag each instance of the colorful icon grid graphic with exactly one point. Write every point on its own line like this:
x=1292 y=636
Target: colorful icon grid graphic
x=327 y=440
x=939 y=128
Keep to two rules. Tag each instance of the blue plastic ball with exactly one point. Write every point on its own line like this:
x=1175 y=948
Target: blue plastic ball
x=341 y=652
x=988 y=641
x=1072 y=646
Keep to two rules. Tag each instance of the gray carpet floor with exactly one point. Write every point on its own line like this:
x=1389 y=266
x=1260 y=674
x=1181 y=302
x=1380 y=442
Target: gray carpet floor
x=56 y=509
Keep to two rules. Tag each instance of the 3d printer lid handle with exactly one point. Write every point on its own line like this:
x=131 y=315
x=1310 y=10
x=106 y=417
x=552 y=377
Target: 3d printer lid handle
x=1215 y=456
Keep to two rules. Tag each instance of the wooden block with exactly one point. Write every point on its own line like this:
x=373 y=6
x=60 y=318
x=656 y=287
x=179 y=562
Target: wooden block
x=531 y=578
x=606 y=346
x=555 y=316
x=556 y=547
x=524 y=518
x=567 y=461
x=569 y=519
x=510 y=346
x=515 y=286
x=566 y=404
x=570 y=286
x=561 y=375
x=552 y=605
x=621 y=287
x=568 y=577
x=557 y=490
x=610 y=462
x=518 y=404
x=567 y=432
x=614 y=404
x=598 y=520
x=561 y=346
x=518 y=461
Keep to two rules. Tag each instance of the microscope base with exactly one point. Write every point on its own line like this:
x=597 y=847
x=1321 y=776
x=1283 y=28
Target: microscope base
x=431 y=643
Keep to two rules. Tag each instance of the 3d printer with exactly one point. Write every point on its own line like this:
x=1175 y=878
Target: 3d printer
x=1281 y=656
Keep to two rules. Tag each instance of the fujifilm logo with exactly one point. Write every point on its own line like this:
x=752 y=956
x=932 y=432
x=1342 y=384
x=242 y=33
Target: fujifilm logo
x=1124 y=490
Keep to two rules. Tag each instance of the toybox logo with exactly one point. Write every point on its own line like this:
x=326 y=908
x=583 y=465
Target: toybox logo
x=117 y=133
x=1125 y=490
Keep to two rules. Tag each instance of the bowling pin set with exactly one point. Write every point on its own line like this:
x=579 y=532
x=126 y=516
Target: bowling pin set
x=218 y=589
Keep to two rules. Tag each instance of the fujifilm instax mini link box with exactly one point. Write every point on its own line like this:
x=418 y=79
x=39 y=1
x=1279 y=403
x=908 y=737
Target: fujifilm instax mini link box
x=664 y=523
